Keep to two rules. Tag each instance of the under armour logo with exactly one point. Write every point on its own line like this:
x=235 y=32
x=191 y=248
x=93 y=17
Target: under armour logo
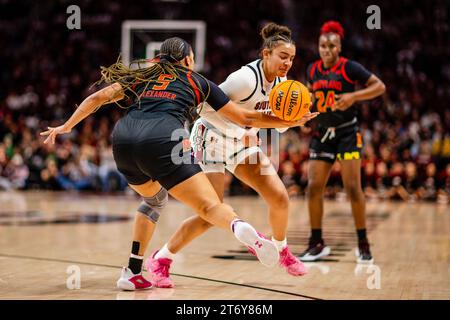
x=259 y=244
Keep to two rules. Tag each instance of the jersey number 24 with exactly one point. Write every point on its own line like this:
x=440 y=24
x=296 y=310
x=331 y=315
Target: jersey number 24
x=324 y=103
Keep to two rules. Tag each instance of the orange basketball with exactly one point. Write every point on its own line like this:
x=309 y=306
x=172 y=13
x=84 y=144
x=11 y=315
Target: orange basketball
x=290 y=100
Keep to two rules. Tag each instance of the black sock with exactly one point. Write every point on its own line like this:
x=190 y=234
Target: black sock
x=362 y=236
x=316 y=234
x=134 y=264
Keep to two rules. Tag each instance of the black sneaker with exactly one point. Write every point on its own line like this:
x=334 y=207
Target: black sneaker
x=316 y=250
x=363 y=254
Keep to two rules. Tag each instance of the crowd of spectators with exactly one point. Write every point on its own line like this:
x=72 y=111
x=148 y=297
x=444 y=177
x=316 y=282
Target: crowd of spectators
x=47 y=69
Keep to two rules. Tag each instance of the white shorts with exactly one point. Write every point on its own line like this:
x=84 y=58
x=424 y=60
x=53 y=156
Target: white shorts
x=215 y=152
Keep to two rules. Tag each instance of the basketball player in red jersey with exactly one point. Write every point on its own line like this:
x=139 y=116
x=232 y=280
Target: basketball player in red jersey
x=332 y=81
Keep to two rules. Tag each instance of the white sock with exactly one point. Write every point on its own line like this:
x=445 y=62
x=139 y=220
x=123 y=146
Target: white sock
x=164 y=252
x=280 y=244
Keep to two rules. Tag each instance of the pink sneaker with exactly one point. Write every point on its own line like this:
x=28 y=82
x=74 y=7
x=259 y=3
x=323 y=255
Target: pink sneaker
x=158 y=269
x=287 y=260
x=292 y=265
x=129 y=281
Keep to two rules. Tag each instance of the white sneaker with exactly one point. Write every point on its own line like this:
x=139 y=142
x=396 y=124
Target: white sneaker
x=264 y=249
x=129 y=281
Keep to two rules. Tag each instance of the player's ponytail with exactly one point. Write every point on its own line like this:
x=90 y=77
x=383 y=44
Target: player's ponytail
x=273 y=33
x=172 y=51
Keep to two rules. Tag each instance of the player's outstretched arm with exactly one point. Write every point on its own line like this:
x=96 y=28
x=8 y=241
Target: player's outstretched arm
x=89 y=105
x=256 y=119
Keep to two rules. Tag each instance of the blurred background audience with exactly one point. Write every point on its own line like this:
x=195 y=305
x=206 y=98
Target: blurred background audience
x=48 y=69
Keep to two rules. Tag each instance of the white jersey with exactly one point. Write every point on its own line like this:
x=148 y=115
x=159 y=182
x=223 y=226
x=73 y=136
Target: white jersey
x=249 y=89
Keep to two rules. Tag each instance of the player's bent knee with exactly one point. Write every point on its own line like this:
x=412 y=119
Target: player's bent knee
x=152 y=207
x=217 y=207
x=280 y=199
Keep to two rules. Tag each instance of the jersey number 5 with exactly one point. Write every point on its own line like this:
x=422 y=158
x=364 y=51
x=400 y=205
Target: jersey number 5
x=162 y=82
x=324 y=103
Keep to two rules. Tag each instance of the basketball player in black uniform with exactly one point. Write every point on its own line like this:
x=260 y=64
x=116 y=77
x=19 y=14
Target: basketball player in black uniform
x=150 y=151
x=332 y=81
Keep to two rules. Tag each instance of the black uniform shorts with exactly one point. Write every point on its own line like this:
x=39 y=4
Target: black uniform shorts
x=345 y=144
x=153 y=149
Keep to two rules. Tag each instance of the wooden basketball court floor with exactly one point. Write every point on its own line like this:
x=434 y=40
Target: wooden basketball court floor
x=49 y=240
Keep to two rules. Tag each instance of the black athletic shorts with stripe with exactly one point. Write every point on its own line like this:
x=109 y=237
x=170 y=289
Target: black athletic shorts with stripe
x=150 y=142
x=346 y=144
x=153 y=149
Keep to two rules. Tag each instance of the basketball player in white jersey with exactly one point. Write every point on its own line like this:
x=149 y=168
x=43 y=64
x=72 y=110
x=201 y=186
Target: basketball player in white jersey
x=220 y=145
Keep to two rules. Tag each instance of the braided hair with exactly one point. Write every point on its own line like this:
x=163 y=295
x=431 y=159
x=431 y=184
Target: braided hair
x=175 y=49
x=172 y=51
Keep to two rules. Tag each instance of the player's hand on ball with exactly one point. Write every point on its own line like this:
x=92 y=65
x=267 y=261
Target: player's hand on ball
x=304 y=119
x=344 y=101
x=52 y=132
